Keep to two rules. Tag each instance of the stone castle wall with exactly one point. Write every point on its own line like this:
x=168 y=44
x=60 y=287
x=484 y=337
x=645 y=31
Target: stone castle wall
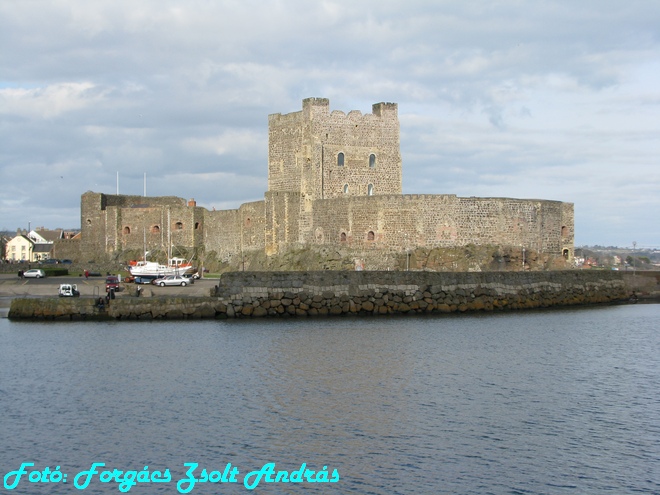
x=66 y=249
x=399 y=223
x=231 y=233
x=282 y=221
x=111 y=223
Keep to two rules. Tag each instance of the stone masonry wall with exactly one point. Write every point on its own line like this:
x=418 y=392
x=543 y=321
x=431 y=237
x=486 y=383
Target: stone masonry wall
x=333 y=293
x=118 y=222
x=399 y=223
x=282 y=211
x=64 y=249
x=390 y=223
x=222 y=233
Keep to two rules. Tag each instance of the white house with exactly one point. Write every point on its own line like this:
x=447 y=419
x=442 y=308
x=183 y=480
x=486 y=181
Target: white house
x=35 y=246
x=19 y=249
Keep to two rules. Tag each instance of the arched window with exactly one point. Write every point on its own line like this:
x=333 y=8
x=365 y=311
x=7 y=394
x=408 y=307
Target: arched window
x=372 y=160
x=178 y=226
x=345 y=188
x=342 y=237
x=248 y=222
x=340 y=159
x=370 y=190
x=127 y=230
x=370 y=235
x=155 y=229
x=196 y=225
x=564 y=231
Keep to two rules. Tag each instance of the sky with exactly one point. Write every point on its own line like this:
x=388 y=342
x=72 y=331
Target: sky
x=539 y=99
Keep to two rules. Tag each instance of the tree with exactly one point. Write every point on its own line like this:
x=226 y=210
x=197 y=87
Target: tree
x=3 y=246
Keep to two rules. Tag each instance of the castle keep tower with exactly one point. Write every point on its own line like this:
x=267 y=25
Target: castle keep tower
x=314 y=155
x=324 y=155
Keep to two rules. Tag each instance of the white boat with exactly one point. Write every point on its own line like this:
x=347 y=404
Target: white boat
x=175 y=266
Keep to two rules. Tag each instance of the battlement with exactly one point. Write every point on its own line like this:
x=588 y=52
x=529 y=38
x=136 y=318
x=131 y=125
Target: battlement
x=315 y=106
x=385 y=109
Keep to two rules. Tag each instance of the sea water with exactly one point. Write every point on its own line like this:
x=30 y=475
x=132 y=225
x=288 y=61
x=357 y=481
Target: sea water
x=539 y=402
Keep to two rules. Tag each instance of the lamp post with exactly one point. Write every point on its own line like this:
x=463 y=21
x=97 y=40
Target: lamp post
x=634 y=264
x=523 y=264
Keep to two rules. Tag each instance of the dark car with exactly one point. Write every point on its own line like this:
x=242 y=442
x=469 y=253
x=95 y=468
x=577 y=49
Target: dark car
x=112 y=282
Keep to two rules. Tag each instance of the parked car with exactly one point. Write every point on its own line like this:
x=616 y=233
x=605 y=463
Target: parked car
x=112 y=282
x=34 y=273
x=50 y=261
x=171 y=280
x=66 y=262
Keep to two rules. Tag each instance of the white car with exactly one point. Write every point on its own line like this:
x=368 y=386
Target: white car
x=34 y=273
x=68 y=290
x=171 y=280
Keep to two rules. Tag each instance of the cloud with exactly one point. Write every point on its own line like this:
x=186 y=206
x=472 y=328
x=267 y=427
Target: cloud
x=555 y=100
x=51 y=101
x=231 y=141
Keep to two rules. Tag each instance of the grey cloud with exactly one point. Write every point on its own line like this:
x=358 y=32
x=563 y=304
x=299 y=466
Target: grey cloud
x=495 y=98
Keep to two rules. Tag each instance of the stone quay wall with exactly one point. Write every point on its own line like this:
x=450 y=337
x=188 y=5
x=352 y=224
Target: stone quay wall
x=284 y=294
x=335 y=293
x=124 y=308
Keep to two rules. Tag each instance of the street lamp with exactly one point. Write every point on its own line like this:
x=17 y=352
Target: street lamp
x=634 y=264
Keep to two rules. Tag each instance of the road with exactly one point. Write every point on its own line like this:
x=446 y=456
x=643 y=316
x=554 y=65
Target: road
x=12 y=286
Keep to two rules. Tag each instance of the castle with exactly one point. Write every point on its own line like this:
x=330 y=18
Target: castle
x=334 y=179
